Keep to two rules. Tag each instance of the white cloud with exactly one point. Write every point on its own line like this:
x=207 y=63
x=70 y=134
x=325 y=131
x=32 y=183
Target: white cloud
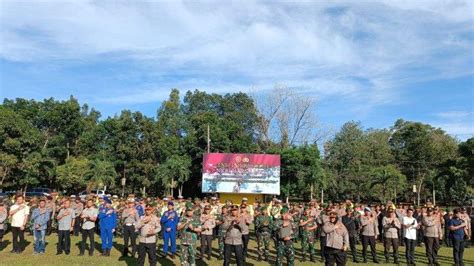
x=363 y=50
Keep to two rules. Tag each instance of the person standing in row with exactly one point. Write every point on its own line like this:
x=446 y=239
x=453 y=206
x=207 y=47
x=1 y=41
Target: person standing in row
x=78 y=207
x=3 y=218
x=284 y=239
x=148 y=226
x=246 y=222
x=433 y=234
x=169 y=220
x=65 y=218
x=88 y=217
x=457 y=233
x=352 y=226
x=391 y=226
x=107 y=224
x=19 y=217
x=189 y=228
x=207 y=223
x=130 y=219
x=263 y=226
x=221 y=231
x=370 y=231
x=337 y=240
x=233 y=237
x=40 y=218
x=308 y=225
x=411 y=225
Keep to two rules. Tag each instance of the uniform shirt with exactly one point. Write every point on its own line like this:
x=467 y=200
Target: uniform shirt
x=391 y=229
x=129 y=218
x=350 y=224
x=336 y=238
x=246 y=221
x=3 y=218
x=208 y=223
x=40 y=219
x=188 y=236
x=233 y=235
x=140 y=210
x=78 y=207
x=108 y=218
x=321 y=220
x=264 y=223
x=369 y=225
x=170 y=219
x=410 y=232
x=66 y=220
x=89 y=213
x=148 y=230
x=431 y=226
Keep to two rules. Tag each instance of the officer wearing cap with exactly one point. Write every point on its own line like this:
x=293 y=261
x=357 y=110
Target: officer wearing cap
x=148 y=226
x=370 y=231
x=337 y=240
x=284 y=239
x=169 y=220
x=263 y=226
x=433 y=234
x=391 y=225
x=233 y=237
x=189 y=227
x=207 y=223
x=107 y=222
x=308 y=225
x=220 y=218
x=129 y=219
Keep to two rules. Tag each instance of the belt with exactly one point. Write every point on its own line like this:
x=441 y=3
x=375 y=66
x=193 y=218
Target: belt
x=128 y=224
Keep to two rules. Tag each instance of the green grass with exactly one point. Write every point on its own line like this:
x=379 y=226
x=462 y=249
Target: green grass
x=50 y=258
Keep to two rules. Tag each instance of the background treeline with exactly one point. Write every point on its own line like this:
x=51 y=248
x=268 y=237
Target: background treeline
x=68 y=147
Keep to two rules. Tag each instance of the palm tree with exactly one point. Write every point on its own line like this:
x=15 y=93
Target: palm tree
x=102 y=173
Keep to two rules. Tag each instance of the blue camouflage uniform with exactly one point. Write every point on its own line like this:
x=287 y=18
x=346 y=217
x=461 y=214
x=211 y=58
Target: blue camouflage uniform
x=107 y=223
x=169 y=221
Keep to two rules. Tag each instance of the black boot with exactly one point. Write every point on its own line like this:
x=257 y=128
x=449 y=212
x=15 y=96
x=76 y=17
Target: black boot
x=104 y=252
x=303 y=258
x=312 y=259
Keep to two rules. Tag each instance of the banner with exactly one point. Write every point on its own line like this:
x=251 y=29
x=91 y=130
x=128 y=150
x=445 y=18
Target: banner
x=241 y=173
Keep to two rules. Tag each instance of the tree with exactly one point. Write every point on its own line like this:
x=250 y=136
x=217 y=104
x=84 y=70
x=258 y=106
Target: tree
x=419 y=149
x=101 y=173
x=387 y=182
x=73 y=173
x=174 y=171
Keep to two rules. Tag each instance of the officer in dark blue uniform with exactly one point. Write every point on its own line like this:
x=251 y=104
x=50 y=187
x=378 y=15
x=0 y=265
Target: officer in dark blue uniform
x=139 y=207
x=107 y=222
x=169 y=221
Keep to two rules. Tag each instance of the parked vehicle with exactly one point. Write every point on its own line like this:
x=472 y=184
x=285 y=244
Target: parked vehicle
x=38 y=192
x=98 y=192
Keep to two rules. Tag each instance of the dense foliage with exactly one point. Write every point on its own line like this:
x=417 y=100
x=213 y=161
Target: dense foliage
x=66 y=146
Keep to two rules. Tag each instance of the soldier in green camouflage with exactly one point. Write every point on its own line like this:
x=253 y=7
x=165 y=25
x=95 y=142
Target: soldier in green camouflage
x=188 y=228
x=308 y=226
x=221 y=231
x=296 y=216
x=263 y=226
x=284 y=235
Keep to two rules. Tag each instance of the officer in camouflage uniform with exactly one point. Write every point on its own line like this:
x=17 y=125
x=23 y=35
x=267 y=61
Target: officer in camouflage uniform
x=188 y=227
x=285 y=244
x=296 y=215
x=221 y=231
x=264 y=226
x=308 y=227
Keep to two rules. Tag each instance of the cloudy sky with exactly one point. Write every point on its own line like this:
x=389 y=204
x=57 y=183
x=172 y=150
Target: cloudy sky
x=370 y=61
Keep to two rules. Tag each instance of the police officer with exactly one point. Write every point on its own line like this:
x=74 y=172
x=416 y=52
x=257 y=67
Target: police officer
x=65 y=219
x=88 y=217
x=308 y=226
x=370 y=231
x=169 y=220
x=78 y=207
x=264 y=226
x=391 y=225
x=189 y=227
x=246 y=222
x=107 y=223
x=284 y=239
x=337 y=240
x=433 y=233
x=233 y=237
x=148 y=226
x=207 y=223
x=129 y=219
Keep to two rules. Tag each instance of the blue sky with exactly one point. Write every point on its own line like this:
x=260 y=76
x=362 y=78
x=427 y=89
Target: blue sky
x=370 y=61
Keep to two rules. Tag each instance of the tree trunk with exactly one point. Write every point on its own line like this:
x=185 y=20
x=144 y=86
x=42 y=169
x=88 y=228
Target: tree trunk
x=67 y=148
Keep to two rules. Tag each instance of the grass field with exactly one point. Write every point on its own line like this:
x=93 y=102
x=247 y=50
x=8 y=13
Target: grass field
x=50 y=258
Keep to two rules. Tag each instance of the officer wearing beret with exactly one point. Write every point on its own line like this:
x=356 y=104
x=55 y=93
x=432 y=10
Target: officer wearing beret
x=189 y=227
x=284 y=239
x=264 y=226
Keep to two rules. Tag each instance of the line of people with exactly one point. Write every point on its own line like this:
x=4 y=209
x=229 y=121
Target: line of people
x=337 y=226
